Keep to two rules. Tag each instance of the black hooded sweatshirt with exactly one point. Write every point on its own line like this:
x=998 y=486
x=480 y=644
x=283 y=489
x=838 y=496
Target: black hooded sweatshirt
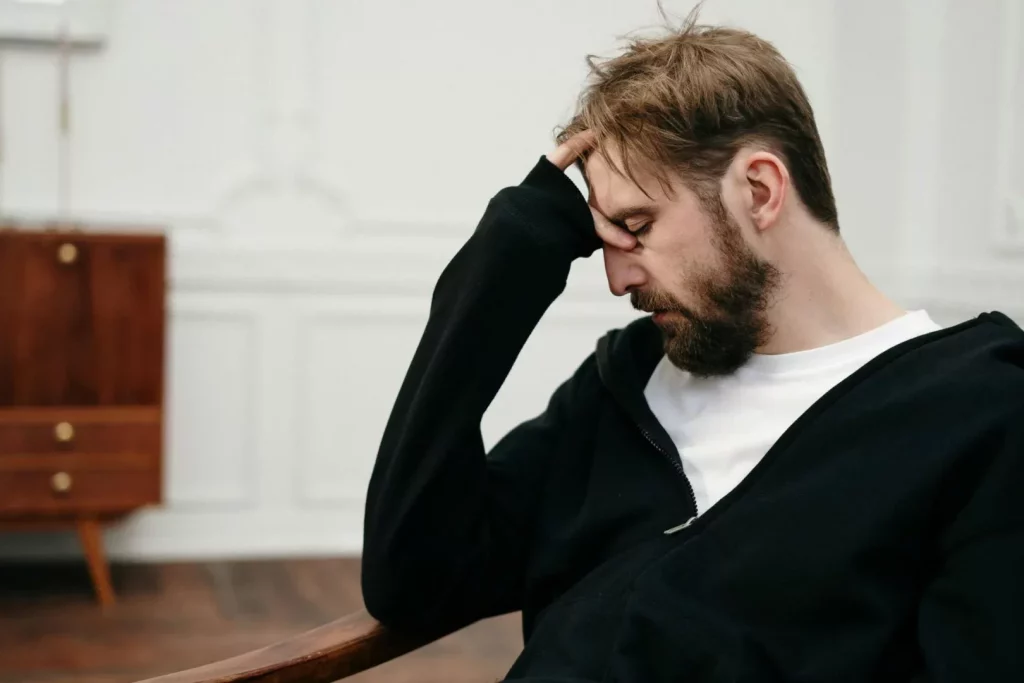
x=881 y=538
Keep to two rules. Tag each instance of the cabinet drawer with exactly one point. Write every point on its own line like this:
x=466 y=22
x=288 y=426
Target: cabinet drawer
x=59 y=482
x=79 y=431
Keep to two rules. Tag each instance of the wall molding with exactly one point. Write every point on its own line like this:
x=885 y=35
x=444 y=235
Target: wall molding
x=979 y=289
x=1008 y=228
x=925 y=22
x=381 y=266
x=342 y=313
x=1014 y=226
x=244 y=496
x=282 y=178
x=410 y=270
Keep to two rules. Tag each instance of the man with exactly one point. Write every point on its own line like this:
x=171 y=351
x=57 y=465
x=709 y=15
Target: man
x=779 y=475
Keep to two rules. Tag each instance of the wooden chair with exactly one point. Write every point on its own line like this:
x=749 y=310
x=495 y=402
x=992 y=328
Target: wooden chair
x=342 y=648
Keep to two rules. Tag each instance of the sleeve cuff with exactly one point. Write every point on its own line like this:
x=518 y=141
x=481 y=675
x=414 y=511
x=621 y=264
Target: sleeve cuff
x=551 y=180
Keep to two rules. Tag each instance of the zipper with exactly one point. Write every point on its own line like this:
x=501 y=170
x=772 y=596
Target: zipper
x=684 y=525
x=678 y=467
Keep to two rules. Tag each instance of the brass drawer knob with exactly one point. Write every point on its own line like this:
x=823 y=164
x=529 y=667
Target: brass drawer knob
x=64 y=432
x=61 y=482
x=67 y=253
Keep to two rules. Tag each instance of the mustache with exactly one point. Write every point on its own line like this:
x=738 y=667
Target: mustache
x=652 y=301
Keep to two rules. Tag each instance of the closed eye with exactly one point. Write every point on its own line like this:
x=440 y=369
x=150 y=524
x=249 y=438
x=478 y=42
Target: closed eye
x=641 y=230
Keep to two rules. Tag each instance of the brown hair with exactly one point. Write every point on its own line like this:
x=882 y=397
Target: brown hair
x=689 y=100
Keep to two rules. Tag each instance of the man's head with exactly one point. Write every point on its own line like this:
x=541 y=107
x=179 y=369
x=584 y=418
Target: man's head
x=705 y=141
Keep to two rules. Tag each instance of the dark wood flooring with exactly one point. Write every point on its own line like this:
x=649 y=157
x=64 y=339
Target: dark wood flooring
x=175 y=616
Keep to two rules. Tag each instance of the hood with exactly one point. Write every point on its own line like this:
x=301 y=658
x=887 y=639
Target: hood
x=626 y=358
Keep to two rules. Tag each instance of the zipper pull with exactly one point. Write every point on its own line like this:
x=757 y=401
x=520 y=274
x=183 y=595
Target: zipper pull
x=684 y=525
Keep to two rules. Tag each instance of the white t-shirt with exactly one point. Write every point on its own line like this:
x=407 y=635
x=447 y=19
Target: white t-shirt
x=722 y=426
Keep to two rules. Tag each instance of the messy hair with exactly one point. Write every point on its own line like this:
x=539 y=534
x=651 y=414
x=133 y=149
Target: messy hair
x=686 y=101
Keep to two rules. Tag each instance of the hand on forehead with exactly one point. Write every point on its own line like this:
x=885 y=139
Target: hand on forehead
x=614 y=194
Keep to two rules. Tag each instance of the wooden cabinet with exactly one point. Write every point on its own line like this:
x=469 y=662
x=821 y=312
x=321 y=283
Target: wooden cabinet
x=82 y=336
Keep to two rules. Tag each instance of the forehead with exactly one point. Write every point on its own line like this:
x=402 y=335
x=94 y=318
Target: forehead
x=611 y=190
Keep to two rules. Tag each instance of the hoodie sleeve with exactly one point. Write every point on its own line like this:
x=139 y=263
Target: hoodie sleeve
x=447 y=526
x=971 y=618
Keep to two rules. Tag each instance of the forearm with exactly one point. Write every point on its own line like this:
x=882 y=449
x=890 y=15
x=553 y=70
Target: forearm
x=430 y=522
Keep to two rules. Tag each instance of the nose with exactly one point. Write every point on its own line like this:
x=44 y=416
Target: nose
x=624 y=272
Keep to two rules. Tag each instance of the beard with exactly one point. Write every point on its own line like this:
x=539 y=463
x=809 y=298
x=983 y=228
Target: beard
x=731 y=323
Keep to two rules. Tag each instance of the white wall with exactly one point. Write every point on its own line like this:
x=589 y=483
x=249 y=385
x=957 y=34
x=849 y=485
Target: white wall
x=317 y=163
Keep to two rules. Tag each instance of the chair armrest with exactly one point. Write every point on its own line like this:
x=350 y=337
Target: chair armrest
x=336 y=650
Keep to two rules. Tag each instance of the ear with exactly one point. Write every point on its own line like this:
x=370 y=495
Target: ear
x=767 y=181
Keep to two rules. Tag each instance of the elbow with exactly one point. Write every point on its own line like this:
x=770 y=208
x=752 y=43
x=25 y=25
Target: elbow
x=398 y=604
x=413 y=597
x=382 y=603
x=392 y=586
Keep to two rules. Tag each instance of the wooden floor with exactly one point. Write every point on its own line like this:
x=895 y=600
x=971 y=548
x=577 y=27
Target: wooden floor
x=175 y=616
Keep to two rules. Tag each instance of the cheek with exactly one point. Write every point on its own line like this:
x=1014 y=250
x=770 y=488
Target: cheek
x=676 y=276
x=682 y=262
x=681 y=251
x=685 y=235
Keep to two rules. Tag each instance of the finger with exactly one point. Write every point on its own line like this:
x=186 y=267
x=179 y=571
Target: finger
x=612 y=234
x=567 y=152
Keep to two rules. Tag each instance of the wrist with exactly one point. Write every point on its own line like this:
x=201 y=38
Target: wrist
x=558 y=189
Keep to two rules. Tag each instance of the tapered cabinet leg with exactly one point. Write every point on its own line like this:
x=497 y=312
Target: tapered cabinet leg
x=91 y=536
